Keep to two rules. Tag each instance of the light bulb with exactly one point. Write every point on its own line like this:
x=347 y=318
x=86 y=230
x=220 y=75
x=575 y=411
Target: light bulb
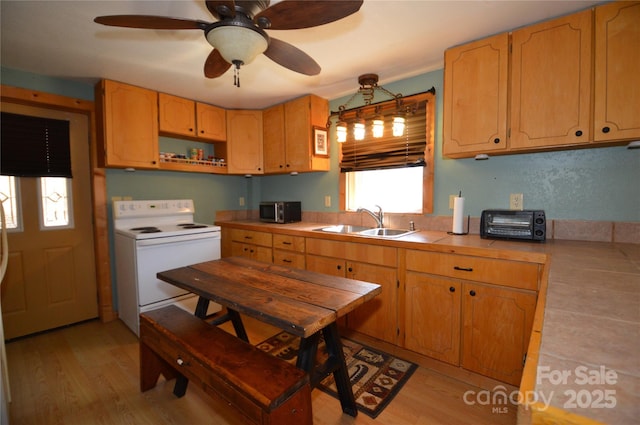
x=341 y=132
x=398 y=126
x=378 y=126
x=358 y=130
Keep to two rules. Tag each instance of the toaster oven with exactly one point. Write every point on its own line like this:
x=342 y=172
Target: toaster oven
x=528 y=225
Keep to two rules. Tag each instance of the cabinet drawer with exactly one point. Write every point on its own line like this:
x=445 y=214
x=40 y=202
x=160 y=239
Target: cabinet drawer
x=251 y=236
x=288 y=258
x=373 y=254
x=290 y=243
x=500 y=272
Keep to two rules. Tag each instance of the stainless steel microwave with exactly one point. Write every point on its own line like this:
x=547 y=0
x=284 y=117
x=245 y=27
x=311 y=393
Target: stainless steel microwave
x=281 y=211
x=511 y=224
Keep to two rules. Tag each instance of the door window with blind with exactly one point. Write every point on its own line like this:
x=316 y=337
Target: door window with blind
x=392 y=168
x=36 y=147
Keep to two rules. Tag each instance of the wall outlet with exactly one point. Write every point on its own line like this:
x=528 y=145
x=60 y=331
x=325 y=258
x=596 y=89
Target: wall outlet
x=327 y=201
x=241 y=201
x=516 y=201
x=452 y=201
x=116 y=198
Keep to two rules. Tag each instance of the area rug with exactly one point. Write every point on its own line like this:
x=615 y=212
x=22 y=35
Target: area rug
x=376 y=377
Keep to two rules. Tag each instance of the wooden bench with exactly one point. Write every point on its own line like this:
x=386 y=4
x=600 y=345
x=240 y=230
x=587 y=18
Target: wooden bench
x=265 y=389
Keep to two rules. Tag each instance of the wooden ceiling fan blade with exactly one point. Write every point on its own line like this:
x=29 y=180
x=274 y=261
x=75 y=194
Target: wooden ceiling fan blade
x=222 y=9
x=151 y=22
x=215 y=65
x=296 y=14
x=291 y=57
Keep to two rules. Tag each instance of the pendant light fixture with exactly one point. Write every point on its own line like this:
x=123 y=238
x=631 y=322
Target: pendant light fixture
x=368 y=87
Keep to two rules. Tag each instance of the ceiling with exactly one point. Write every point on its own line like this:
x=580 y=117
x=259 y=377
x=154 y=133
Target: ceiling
x=394 y=39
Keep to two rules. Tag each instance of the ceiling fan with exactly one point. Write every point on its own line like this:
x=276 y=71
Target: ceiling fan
x=239 y=34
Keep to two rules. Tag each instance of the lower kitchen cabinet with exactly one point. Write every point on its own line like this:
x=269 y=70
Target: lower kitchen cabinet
x=251 y=244
x=288 y=251
x=481 y=327
x=432 y=316
x=370 y=263
x=496 y=328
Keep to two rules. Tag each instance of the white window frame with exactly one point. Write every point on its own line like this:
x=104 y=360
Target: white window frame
x=70 y=224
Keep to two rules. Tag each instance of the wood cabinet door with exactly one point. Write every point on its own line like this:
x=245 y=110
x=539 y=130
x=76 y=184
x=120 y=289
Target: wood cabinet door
x=176 y=115
x=244 y=142
x=617 y=70
x=326 y=265
x=298 y=134
x=212 y=122
x=378 y=316
x=497 y=325
x=129 y=125
x=432 y=316
x=475 y=97
x=273 y=133
x=255 y=252
x=551 y=83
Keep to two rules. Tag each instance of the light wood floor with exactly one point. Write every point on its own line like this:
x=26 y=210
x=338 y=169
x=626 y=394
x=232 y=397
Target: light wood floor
x=88 y=374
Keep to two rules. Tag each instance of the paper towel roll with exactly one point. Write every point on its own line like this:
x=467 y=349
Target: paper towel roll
x=458 y=215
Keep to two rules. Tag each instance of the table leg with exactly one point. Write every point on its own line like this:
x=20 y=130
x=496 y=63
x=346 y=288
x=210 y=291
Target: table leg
x=238 y=326
x=202 y=307
x=307 y=354
x=341 y=373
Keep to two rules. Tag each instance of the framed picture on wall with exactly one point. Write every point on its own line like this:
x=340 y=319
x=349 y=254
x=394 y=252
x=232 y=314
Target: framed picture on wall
x=320 y=141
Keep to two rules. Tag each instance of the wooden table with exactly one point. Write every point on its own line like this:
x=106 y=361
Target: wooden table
x=301 y=302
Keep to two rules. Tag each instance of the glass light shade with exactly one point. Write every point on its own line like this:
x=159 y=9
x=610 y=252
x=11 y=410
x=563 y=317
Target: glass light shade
x=378 y=126
x=398 y=126
x=237 y=43
x=358 y=130
x=341 y=132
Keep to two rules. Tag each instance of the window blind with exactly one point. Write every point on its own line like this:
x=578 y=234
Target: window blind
x=389 y=151
x=34 y=146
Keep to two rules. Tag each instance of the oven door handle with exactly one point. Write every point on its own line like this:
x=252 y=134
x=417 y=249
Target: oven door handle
x=177 y=239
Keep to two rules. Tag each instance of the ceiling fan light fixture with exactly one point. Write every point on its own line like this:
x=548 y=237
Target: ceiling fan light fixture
x=238 y=43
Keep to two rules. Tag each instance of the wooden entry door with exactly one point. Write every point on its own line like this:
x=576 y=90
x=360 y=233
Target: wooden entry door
x=51 y=277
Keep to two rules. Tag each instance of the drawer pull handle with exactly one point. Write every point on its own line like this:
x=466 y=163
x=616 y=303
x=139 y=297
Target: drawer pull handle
x=287 y=260
x=339 y=267
x=180 y=361
x=452 y=289
x=286 y=243
x=248 y=237
x=472 y=293
x=463 y=269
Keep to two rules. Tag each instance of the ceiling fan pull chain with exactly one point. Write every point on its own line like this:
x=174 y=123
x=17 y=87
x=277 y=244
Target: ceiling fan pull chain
x=236 y=73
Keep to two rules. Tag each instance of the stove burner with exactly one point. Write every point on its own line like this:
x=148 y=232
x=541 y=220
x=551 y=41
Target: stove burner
x=147 y=229
x=193 y=226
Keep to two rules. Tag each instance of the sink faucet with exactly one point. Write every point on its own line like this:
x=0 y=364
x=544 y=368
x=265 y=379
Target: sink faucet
x=378 y=217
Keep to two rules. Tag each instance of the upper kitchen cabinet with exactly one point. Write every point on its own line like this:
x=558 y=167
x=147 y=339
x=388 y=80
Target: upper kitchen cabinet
x=244 y=146
x=187 y=118
x=127 y=120
x=617 y=70
x=288 y=135
x=211 y=122
x=551 y=83
x=475 y=97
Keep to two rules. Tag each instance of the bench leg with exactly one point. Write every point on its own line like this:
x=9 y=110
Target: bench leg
x=341 y=374
x=151 y=366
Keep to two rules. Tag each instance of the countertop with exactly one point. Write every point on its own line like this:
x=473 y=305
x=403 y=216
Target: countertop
x=583 y=360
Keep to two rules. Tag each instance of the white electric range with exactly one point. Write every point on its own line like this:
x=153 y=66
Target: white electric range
x=153 y=236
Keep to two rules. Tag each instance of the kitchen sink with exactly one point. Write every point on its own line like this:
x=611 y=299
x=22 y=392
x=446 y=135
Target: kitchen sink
x=386 y=232
x=343 y=228
x=366 y=231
